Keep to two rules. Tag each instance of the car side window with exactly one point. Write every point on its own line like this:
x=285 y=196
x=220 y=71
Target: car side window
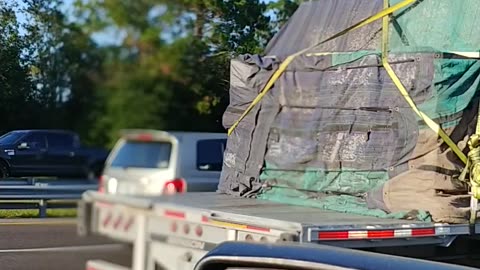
x=210 y=154
x=59 y=140
x=35 y=140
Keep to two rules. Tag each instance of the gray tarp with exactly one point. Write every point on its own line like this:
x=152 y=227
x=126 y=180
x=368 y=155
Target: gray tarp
x=243 y=161
x=317 y=20
x=334 y=131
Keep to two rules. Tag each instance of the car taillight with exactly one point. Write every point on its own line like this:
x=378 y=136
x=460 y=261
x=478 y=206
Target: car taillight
x=175 y=186
x=101 y=184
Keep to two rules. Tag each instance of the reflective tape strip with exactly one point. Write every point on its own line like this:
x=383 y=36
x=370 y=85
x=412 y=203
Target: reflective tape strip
x=199 y=218
x=381 y=234
x=230 y=225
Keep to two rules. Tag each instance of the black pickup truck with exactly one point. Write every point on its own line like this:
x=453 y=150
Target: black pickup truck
x=56 y=153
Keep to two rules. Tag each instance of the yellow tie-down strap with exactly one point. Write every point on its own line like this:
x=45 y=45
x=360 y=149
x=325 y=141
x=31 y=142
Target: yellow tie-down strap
x=385 y=12
x=430 y=123
x=472 y=163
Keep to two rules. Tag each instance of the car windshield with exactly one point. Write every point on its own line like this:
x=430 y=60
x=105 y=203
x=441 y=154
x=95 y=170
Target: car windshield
x=143 y=155
x=11 y=137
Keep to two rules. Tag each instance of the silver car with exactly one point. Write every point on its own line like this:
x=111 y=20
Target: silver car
x=153 y=162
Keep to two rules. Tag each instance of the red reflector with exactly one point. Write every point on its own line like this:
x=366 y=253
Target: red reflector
x=175 y=214
x=118 y=222
x=258 y=228
x=174 y=227
x=175 y=186
x=423 y=232
x=332 y=235
x=128 y=224
x=199 y=231
x=381 y=234
x=106 y=221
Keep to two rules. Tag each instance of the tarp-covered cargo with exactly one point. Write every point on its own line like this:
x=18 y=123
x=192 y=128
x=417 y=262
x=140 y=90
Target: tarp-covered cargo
x=335 y=132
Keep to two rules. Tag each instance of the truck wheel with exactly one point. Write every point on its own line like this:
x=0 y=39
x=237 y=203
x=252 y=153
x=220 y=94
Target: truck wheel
x=3 y=170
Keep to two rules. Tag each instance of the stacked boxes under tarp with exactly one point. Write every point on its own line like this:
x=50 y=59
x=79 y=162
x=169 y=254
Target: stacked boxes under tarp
x=334 y=131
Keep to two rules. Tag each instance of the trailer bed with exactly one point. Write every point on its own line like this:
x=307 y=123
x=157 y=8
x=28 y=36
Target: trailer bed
x=224 y=205
x=311 y=225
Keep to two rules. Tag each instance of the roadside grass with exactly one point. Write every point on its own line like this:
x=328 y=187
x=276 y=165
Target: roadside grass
x=33 y=213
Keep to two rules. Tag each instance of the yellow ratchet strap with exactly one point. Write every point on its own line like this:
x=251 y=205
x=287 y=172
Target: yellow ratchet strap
x=473 y=170
x=283 y=66
x=430 y=123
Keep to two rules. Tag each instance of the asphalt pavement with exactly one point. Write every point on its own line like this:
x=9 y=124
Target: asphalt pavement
x=53 y=244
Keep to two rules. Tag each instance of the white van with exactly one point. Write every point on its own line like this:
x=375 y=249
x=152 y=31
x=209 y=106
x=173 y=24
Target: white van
x=153 y=162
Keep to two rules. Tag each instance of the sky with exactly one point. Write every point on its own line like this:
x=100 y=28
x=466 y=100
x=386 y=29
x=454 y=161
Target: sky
x=112 y=36
x=109 y=36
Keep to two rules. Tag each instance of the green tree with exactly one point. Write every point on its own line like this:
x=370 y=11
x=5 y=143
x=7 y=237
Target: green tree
x=48 y=71
x=282 y=10
x=64 y=63
x=16 y=101
x=171 y=69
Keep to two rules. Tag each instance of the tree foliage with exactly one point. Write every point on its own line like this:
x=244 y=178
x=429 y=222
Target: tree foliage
x=169 y=69
x=46 y=68
x=15 y=83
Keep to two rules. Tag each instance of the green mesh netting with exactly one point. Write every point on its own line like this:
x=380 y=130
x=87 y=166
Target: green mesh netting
x=436 y=25
x=455 y=83
x=338 y=203
x=319 y=180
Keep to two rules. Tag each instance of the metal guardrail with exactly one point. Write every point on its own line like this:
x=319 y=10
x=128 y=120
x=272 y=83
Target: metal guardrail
x=42 y=193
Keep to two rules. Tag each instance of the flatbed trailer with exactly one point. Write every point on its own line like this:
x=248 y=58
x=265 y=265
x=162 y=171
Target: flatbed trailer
x=175 y=232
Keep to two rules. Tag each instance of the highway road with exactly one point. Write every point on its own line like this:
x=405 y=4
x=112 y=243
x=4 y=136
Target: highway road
x=53 y=244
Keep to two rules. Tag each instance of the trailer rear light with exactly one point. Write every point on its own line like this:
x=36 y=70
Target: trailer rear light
x=175 y=186
x=376 y=234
